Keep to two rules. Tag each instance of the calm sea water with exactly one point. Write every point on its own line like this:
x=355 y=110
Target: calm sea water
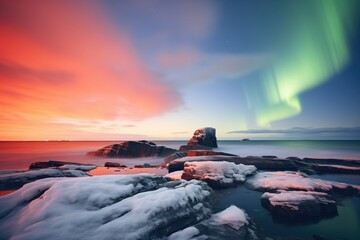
x=19 y=155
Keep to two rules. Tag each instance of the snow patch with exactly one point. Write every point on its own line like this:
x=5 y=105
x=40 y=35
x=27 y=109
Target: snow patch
x=232 y=216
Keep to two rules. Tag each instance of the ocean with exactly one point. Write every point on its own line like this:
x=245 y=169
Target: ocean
x=20 y=154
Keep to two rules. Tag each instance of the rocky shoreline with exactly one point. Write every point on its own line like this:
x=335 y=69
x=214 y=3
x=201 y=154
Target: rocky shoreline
x=184 y=207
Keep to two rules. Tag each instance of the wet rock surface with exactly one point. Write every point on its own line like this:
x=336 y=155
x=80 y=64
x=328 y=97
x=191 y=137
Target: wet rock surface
x=134 y=149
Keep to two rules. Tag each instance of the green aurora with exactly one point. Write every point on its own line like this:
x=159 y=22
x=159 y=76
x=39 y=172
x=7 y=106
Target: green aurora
x=316 y=49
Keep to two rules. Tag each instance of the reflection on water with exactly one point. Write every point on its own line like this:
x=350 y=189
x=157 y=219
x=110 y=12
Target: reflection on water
x=345 y=226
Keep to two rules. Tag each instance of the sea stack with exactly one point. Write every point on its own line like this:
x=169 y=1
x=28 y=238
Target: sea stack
x=205 y=137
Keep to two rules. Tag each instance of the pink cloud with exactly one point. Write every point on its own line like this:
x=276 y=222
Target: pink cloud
x=64 y=59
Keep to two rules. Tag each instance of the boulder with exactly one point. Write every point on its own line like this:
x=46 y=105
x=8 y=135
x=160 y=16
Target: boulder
x=299 y=204
x=205 y=137
x=133 y=149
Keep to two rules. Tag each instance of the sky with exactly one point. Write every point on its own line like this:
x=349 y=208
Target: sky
x=109 y=70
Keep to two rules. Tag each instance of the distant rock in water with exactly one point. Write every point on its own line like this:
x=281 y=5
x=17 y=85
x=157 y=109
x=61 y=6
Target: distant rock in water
x=245 y=139
x=133 y=149
x=205 y=137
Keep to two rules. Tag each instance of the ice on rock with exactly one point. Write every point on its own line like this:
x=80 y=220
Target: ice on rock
x=272 y=181
x=139 y=206
x=217 y=174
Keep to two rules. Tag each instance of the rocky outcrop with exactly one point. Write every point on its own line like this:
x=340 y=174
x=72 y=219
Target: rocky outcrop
x=204 y=137
x=130 y=149
x=259 y=162
x=299 y=204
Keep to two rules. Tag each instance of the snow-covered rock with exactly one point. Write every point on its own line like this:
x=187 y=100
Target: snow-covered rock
x=232 y=223
x=217 y=174
x=273 y=181
x=17 y=179
x=140 y=206
x=299 y=204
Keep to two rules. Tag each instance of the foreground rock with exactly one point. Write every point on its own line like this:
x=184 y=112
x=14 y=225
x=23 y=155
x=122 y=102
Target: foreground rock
x=140 y=206
x=273 y=181
x=217 y=174
x=204 y=137
x=299 y=205
x=18 y=179
x=259 y=162
x=232 y=223
x=133 y=149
